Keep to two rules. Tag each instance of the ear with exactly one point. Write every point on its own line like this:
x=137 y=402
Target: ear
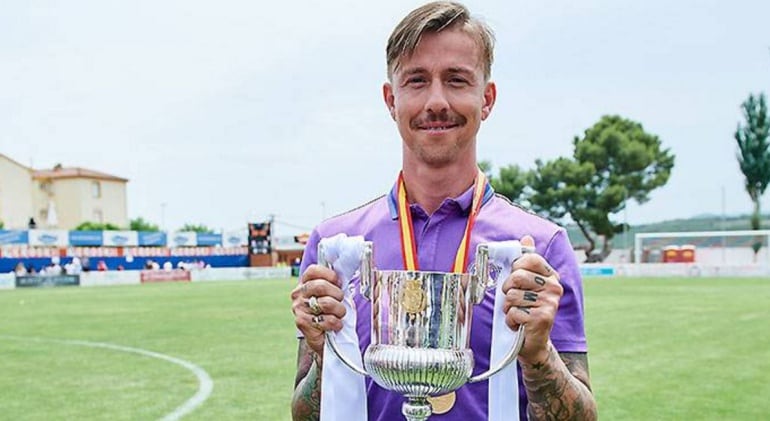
x=390 y=99
x=490 y=95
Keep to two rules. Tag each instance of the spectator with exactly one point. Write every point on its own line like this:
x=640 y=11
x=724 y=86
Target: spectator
x=85 y=264
x=20 y=270
x=102 y=266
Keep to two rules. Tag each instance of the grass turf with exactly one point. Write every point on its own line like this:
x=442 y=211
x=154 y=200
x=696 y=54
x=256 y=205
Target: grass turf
x=660 y=349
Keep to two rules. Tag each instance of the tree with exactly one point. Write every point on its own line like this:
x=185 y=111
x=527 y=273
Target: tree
x=512 y=182
x=97 y=226
x=754 y=154
x=196 y=228
x=629 y=163
x=558 y=190
x=2 y=224
x=139 y=224
x=614 y=161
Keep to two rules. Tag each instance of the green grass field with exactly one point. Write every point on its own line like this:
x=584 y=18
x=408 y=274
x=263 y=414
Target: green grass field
x=660 y=349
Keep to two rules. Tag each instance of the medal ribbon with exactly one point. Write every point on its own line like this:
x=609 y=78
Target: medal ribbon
x=408 y=243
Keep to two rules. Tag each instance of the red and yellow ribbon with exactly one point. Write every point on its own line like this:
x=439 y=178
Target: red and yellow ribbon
x=408 y=243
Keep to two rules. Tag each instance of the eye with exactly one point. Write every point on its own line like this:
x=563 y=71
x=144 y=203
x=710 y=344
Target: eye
x=458 y=81
x=415 y=80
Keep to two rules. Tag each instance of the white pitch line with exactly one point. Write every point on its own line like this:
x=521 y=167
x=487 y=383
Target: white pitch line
x=205 y=384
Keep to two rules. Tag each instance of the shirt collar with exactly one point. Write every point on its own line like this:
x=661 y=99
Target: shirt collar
x=465 y=199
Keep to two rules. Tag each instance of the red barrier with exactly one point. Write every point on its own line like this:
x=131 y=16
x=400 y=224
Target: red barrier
x=175 y=275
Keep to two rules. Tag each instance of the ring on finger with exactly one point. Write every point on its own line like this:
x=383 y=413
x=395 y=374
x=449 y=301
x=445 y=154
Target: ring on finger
x=313 y=304
x=317 y=320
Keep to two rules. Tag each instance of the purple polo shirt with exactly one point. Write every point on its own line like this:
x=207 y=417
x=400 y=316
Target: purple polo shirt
x=437 y=237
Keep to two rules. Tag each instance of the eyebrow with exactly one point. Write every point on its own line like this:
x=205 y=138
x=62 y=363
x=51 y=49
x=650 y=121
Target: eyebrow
x=462 y=70
x=453 y=69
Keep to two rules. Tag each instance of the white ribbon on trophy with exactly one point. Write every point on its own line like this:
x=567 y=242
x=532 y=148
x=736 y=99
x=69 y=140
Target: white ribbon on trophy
x=503 y=387
x=343 y=392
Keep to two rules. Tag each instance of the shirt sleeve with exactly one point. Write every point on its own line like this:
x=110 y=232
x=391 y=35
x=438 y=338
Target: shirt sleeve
x=568 y=332
x=310 y=255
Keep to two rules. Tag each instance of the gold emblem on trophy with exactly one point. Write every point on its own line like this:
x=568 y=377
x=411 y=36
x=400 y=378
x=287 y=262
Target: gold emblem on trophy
x=413 y=297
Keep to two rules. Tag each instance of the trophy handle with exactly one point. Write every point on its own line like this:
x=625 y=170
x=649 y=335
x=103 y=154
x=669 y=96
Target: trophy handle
x=503 y=254
x=331 y=343
x=366 y=269
x=509 y=358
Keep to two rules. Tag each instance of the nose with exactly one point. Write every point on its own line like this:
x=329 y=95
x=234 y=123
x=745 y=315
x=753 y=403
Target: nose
x=437 y=100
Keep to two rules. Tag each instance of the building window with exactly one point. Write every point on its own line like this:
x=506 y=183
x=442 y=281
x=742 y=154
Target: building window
x=98 y=217
x=96 y=189
x=46 y=187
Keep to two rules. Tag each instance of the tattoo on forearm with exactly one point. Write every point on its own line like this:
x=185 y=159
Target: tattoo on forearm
x=306 y=402
x=559 y=389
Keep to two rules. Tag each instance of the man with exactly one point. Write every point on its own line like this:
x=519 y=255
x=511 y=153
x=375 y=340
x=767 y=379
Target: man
x=438 y=92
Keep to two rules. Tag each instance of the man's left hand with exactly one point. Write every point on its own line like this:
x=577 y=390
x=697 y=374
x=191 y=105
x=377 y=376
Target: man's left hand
x=532 y=293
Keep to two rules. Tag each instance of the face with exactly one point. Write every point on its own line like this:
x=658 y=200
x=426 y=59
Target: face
x=438 y=98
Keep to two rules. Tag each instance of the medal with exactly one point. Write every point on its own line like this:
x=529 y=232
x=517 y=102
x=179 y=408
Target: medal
x=442 y=404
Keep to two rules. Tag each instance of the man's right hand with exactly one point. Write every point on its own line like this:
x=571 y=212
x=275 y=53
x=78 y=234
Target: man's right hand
x=317 y=305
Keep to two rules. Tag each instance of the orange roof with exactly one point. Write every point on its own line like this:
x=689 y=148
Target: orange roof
x=74 y=172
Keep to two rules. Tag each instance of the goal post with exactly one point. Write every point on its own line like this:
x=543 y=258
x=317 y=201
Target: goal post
x=711 y=247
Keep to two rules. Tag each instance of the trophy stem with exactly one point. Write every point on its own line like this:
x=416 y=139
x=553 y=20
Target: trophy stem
x=416 y=408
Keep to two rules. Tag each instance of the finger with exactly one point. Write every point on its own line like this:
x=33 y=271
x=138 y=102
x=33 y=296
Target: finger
x=314 y=272
x=527 y=241
x=517 y=316
x=521 y=298
x=323 y=322
x=317 y=288
x=522 y=279
x=535 y=263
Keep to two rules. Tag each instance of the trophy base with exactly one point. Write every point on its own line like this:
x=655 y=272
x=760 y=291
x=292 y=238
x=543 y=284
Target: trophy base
x=416 y=409
x=418 y=372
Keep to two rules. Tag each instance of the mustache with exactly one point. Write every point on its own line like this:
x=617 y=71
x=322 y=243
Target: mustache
x=442 y=117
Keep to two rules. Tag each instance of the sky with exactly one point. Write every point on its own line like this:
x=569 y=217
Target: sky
x=228 y=112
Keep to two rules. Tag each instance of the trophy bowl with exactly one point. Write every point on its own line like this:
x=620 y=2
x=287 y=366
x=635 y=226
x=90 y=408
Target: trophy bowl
x=420 y=330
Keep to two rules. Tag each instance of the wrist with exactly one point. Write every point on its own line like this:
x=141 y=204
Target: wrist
x=318 y=360
x=539 y=358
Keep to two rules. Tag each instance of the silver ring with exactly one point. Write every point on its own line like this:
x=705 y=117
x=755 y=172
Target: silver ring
x=317 y=322
x=314 y=307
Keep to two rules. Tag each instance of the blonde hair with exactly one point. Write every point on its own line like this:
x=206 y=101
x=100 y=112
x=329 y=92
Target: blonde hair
x=434 y=17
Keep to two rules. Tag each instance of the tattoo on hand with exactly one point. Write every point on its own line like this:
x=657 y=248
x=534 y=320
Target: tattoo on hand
x=539 y=280
x=524 y=309
x=530 y=296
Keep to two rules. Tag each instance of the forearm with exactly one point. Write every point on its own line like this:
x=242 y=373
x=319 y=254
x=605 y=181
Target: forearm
x=559 y=389
x=306 y=401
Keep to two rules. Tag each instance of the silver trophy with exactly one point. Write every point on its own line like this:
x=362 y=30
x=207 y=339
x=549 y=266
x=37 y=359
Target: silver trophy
x=420 y=337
